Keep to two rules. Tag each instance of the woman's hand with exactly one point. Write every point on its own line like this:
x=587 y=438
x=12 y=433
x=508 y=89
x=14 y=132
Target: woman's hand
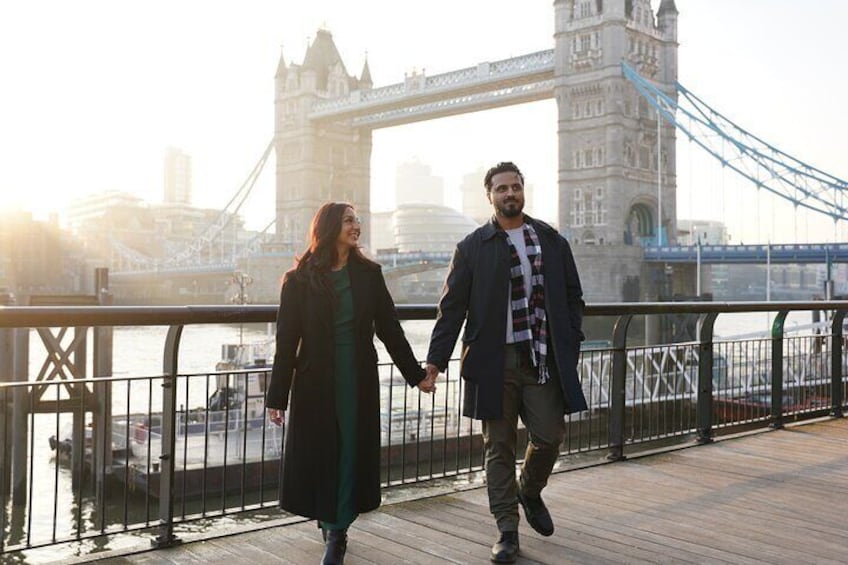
x=276 y=416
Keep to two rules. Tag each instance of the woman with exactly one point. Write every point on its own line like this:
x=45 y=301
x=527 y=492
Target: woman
x=330 y=306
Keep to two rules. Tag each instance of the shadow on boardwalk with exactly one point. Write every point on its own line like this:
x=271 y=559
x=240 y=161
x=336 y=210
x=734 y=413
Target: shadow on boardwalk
x=767 y=497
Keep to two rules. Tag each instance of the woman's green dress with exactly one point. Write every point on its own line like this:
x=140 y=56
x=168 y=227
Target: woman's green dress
x=345 y=374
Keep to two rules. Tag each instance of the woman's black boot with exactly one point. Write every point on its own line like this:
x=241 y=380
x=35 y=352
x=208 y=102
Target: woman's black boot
x=335 y=547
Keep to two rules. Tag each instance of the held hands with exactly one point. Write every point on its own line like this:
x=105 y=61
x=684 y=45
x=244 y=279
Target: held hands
x=276 y=416
x=428 y=383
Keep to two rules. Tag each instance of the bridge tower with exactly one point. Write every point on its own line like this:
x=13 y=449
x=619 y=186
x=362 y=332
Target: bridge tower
x=317 y=161
x=608 y=149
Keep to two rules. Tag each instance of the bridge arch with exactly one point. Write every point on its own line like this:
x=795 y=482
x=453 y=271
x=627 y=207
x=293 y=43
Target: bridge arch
x=641 y=224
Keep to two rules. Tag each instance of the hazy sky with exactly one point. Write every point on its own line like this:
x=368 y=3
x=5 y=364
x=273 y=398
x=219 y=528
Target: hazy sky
x=94 y=91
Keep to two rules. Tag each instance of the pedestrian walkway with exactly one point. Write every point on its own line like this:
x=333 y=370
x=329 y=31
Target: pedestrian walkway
x=774 y=497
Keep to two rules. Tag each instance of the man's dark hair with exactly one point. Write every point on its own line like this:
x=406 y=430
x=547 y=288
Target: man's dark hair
x=502 y=167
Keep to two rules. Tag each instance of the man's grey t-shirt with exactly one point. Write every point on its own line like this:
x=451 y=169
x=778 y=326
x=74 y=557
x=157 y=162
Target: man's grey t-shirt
x=516 y=236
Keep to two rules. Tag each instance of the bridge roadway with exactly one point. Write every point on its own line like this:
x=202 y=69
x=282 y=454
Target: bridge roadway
x=799 y=253
x=764 y=497
x=802 y=253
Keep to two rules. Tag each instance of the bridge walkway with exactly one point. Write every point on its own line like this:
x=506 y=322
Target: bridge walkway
x=765 y=497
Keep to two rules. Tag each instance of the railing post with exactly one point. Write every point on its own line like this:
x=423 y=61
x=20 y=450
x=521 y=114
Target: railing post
x=777 y=370
x=617 y=388
x=4 y=465
x=7 y=367
x=704 y=411
x=78 y=451
x=836 y=387
x=20 y=412
x=102 y=361
x=167 y=459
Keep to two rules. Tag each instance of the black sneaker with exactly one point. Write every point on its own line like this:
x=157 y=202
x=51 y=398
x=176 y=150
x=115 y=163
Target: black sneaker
x=506 y=548
x=537 y=514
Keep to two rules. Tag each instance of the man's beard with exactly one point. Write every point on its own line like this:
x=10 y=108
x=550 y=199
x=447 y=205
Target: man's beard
x=510 y=212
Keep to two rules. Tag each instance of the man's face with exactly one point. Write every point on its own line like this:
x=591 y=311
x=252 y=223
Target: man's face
x=507 y=194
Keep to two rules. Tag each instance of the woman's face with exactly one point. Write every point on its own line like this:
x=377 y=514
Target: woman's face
x=349 y=234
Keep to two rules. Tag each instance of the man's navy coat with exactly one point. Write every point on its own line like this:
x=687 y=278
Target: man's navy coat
x=478 y=285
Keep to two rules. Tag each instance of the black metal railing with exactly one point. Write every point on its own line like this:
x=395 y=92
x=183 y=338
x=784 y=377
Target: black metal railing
x=154 y=452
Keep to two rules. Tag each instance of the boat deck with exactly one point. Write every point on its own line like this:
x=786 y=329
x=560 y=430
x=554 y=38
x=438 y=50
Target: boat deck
x=771 y=497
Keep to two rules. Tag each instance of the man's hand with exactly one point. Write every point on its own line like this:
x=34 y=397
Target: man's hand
x=276 y=416
x=428 y=384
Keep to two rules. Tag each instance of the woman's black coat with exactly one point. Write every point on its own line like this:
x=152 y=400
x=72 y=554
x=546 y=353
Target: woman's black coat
x=304 y=371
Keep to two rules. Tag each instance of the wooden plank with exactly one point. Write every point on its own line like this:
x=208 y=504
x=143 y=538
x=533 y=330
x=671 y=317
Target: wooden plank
x=769 y=497
x=469 y=514
x=418 y=544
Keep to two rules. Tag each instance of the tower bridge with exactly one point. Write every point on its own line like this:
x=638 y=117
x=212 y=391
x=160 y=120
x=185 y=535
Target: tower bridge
x=612 y=72
x=608 y=141
x=419 y=97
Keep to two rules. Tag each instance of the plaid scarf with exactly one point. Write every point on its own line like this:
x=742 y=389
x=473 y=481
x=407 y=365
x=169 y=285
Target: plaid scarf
x=529 y=322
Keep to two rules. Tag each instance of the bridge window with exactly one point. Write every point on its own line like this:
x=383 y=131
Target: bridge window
x=577 y=216
x=598 y=211
x=643 y=108
x=588 y=208
x=628 y=155
x=644 y=158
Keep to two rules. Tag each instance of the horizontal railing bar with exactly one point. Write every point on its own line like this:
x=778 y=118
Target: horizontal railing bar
x=99 y=380
x=648 y=308
x=70 y=316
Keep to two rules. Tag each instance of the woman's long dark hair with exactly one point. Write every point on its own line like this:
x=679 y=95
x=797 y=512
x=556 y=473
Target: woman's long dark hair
x=322 y=252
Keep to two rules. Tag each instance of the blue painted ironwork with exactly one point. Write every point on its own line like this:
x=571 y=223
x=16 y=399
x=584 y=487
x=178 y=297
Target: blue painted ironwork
x=736 y=148
x=780 y=253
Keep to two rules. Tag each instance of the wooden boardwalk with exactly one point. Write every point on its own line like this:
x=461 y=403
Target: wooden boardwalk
x=772 y=497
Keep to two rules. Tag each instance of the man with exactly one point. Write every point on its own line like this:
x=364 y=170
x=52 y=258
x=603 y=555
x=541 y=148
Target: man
x=515 y=281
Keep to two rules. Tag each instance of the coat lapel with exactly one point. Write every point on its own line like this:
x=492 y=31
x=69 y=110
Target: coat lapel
x=549 y=251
